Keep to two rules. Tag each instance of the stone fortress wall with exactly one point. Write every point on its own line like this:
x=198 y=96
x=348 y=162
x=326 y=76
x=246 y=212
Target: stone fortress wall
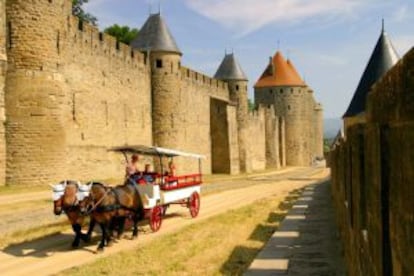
x=303 y=121
x=72 y=92
x=3 y=70
x=373 y=178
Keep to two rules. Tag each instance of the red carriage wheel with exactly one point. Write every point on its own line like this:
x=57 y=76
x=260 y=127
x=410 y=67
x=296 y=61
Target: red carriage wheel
x=155 y=219
x=194 y=204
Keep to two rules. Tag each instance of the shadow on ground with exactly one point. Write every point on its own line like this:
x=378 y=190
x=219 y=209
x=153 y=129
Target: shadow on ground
x=242 y=256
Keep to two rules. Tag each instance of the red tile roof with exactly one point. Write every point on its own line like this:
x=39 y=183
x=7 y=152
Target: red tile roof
x=280 y=73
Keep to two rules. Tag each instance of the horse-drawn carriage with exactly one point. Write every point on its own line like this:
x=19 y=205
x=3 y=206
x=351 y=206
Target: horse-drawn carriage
x=145 y=194
x=160 y=189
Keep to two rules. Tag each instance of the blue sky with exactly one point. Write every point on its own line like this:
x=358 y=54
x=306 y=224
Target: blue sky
x=329 y=41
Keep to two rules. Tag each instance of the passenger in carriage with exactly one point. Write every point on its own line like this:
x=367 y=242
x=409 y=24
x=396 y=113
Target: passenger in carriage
x=171 y=174
x=148 y=174
x=131 y=170
x=171 y=168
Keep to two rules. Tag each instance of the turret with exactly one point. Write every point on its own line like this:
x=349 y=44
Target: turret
x=35 y=91
x=383 y=58
x=3 y=68
x=164 y=56
x=231 y=72
x=280 y=85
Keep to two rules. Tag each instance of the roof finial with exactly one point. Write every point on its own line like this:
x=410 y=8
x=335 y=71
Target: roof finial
x=159 y=7
x=225 y=51
x=383 y=29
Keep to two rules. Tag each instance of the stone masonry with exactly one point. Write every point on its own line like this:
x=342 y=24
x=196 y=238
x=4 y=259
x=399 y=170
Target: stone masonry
x=372 y=172
x=68 y=93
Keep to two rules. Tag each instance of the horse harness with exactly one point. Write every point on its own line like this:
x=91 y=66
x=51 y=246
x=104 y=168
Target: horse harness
x=112 y=207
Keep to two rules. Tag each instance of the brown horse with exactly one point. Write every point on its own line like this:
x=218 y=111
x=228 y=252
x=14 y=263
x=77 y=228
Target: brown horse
x=66 y=198
x=109 y=206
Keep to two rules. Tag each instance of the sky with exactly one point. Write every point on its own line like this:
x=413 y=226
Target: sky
x=328 y=41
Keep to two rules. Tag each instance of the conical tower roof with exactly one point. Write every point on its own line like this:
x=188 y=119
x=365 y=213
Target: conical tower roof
x=230 y=69
x=155 y=36
x=382 y=59
x=279 y=72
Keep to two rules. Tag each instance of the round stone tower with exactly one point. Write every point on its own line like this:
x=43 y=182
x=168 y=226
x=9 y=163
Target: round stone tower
x=280 y=85
x=231 y=72
x=164 y=57
x=34 y=94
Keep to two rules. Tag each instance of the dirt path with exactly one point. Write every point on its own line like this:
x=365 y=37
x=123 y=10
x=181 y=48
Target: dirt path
x=52 y=254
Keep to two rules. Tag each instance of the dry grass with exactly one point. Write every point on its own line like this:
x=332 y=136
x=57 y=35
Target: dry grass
x=223 y=245
x=20 y=189
x=31 y=234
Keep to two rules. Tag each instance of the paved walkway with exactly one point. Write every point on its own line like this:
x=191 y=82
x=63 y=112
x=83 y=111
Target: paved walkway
x=305 y=243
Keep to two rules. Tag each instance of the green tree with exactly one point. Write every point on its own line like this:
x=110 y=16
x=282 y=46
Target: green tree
x=78 y=11
x=122 y=33
x=251 y=105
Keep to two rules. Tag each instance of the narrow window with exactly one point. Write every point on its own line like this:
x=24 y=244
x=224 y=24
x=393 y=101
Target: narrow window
x=158 y=63
x=237 y=88
x=281 y=91
x=9 y=35
x=80 y=25
x=73 y=107
x=288 y=107
x=58 y=42
x=188 y=73
x=117 y=45
x=172 y=67
x=101 y=36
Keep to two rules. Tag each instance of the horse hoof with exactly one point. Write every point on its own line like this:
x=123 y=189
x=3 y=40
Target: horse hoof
x=86 y=238
x=75 y=245
x=109 y=244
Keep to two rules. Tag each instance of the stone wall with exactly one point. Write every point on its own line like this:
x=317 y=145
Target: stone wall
x=373 y=186
x=107 y=100
x=197 y=92
x=256 y=141
x=297 y=106
x=3 y=68
x=72 y=92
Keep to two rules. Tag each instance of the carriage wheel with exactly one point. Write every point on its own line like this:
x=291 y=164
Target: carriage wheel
x=194 y=204
x=156 y=218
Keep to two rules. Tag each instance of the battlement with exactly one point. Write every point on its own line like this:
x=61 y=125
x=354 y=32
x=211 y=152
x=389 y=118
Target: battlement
x=217 y=88
x=86 y=38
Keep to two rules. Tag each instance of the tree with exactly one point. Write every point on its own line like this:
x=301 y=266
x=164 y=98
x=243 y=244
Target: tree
x=78 y=11
x=123 y=34
x=251 y=105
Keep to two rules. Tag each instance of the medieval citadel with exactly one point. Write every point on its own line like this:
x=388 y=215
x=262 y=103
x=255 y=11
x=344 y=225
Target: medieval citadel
x=69 y=92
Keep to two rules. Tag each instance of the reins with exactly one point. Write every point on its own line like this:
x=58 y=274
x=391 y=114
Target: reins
x=98 y=202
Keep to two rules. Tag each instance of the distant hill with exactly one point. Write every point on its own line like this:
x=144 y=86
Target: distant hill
x=331 y=127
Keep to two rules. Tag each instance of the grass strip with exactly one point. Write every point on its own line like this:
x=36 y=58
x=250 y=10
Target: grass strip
x=222 y=245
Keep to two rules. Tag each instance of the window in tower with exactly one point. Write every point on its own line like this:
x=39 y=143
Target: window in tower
x=158 y=63
x=237 y=88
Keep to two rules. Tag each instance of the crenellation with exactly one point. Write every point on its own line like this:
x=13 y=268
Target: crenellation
x=79 y=91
